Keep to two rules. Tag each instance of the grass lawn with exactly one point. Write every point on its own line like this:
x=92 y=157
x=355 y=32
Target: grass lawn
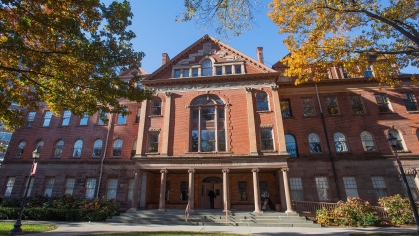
x=166 y=233
x=5 y=228
x=382 y=234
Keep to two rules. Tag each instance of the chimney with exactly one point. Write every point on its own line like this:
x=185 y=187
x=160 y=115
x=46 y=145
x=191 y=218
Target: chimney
x=164 y=58
x=259 y=54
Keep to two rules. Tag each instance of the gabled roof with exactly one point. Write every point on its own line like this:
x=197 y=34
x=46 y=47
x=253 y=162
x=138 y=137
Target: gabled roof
x=201 y=48
x=131 y=72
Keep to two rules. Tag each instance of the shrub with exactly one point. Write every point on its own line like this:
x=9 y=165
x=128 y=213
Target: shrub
x=398 y=209
x=354 y=212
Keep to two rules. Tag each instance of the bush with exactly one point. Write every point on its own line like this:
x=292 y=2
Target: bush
x=354 y=212
x=398 y=209
x=65 y=208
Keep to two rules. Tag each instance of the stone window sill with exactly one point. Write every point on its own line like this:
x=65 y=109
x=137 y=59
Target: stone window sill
x=152 y=153
x=315 y=116
x=413 y=112
x=268 y=151
x=155 y=116
x=208 y=152
x=263 y=111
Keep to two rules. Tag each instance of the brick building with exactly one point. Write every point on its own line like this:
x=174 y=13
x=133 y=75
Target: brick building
x=224 y=121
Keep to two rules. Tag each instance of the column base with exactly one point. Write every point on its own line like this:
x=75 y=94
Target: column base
x=132 y=210
x=258 y=212
x=254 y=154
x=161 y=210
x=191 y=210
x=290 y=211
x=226 y=211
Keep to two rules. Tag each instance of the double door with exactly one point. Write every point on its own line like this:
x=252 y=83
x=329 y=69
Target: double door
x=205 y=199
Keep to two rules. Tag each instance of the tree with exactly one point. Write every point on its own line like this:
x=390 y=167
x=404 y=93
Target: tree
x=65 y=55
x=325 y=33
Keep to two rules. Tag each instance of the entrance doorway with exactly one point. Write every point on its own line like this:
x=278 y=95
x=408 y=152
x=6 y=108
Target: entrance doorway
x=216 y=184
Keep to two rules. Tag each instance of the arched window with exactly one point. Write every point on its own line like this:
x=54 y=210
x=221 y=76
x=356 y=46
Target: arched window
x=117 y=148
x=156 y=107
x=58 y=150
x=340 y=142
x=262 y=101
x=207 y=68
x=134 y=148
x=97 y=148
x=78 y=145
x=367 y=142
x=39 y=145
x=208 y=124
x=20 y=149
x=314 y=143
x=396 y=134
x=291 y=145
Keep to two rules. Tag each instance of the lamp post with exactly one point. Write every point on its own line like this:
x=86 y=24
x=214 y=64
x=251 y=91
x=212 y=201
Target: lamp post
x=393 y=143
x=17 y=226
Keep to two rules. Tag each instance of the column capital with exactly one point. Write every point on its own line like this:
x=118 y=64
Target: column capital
x=285 y=169
x=275 y=88
x=138 y=171
x=168 y=94
x=163 y=171
x=225 y=170
x=191 y=170
x=255 y=170
x=248 y=89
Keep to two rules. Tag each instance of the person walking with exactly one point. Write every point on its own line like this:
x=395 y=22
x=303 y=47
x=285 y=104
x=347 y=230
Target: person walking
x=212 y=196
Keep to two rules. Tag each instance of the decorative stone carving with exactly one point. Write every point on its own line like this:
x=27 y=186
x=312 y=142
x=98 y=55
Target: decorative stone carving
x=154 y=129
x=164 y=171
x=255 y=170
x=207 y=49
x=266 y=125
x=191 y=170
x=248 y=89
x=225 y=170
x=168 y=94
x=410 y=171
x=275 y=88
x=211 y=86
x=285 y=169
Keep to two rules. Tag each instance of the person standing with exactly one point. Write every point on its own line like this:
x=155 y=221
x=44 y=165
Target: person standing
x=212 y=196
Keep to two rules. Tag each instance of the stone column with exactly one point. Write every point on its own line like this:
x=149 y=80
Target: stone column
x=162 y=190
x=191 y=190
x=278 y=121
x=166 y=124
x=251 y=122
x=287 y=190
x=281 y=190
x=143 y=191
x=134 y=203
x=141 y=127
x=256 y=192
x=226 y=189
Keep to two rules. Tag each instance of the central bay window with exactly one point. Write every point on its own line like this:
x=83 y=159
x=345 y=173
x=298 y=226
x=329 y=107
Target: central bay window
x=208 y=125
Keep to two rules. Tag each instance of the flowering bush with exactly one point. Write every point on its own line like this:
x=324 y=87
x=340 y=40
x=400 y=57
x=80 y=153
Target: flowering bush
x=398 y=209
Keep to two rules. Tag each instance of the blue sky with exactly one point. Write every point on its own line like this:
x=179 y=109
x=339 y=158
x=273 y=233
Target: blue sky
x=157 y=33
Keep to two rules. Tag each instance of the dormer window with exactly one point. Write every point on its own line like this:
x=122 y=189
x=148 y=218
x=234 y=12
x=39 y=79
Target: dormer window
x=228 y=70
x=177 y=73
x=186 y=73
x=238 y=69
x=218 y=70
x=195 y=72
x=207 y=68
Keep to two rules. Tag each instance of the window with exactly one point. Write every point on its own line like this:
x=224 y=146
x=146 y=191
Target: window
x=184 y=190
x=323 y=191
x=130 y=194
x=117 y=148
x=122 y=119
x=30 y=118
x=314 y=143
x=49 y=184
x=47 y=118
x=340 y=142
x=296 y=187
x=186 y=73
x=90 y=188
x=20 y=149
x=413 y=187
x=332 y=106
x=291 y=145
x=262 y=101
x=103 y=117
x=409 y=101
x=84 y=119
x=208 y=124
x=228 y=70
x=77 y=148
x=357 y=105
x=379 y=186
x=30 y=186
x=39 y=145
x=382 y=103
x=207 y=68
x=218 y=70
x=167 y=194
x=153 y=142
x=58 y=149
x=350 y=187
x=238 y=69
x=195 y=72
x=9 y=186
x=368 y=72
x=97 y=148
x=308 y=107
x=266 y=139
x=243 y=194
x=66 y=118
x=367 y=142
x=177 y=73
x=396 y=134
x=111 y=189
x=156 y=109
x=137 y=117
x=69 y=186
x=263 y=189
x=285 y=108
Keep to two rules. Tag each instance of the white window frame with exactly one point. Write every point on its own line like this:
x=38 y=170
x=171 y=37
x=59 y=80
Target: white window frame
x=49 y=185
x=130 y=194
x=69 y=186
x=296 y=187
x=30 y=117
x=379 y=185
x=9 y=186
x=323 y=190
x=66 y=118
x=112 y=188
x=351 y=188
x=47 y=118
x=90 y=188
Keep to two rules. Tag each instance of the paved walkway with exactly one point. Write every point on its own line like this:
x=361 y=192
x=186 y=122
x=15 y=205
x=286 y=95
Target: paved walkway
x=80 y=228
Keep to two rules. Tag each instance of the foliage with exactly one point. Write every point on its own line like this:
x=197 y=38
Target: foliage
x=67 y=54
x=5 y=228
x=398 y=209
x=67 y=208
x=167 y=233
x=354 y=212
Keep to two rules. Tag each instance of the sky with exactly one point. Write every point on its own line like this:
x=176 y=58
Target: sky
x=157 y=33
